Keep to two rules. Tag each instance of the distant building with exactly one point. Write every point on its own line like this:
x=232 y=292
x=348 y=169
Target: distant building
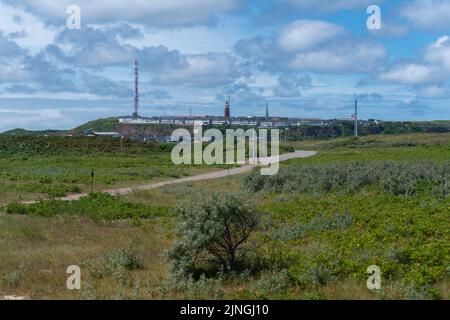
x=262 y=122
x=280 y=124
x=226 y=112
x=266 y=124
x=219 y=122
x=91 y=133
x=134 y=120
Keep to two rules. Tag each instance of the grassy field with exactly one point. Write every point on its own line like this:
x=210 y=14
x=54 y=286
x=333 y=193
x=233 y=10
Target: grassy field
x=38 y=167
x=314 y=243
x=49 y=167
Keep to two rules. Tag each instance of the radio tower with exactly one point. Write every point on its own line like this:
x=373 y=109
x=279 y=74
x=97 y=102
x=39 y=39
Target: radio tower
x=136 y=89
x=356 y=118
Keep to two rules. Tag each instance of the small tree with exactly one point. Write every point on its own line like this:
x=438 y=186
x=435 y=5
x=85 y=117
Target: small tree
x=213 y=232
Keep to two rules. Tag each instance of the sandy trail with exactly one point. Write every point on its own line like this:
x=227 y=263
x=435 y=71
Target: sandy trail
x=200 y=177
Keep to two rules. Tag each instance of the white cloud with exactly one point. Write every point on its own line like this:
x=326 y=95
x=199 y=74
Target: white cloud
x=439 y=53
x=13 y=72
x=344 y=57
x=41 y=113
x=434 y=91
x=28 y=30
x=28 y=118
x=391 y=28
x=429 y=74
x=428 y=14
x=211 y=69
x=314 y=46
x=168 y=13
x=329 y=6
x=412 y=74
x=307 y=34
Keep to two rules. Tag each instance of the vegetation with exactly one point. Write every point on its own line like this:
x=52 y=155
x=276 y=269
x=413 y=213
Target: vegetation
x=23 y=146
x=346 y=129
x=330 y=239
x=38 y=167
x=98 y=206
x=213 y=233
x=377 y=200
x=48 y=167
x=397 y=178
x=337 y=128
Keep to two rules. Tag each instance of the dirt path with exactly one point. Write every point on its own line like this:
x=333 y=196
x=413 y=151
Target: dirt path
x=201 y=177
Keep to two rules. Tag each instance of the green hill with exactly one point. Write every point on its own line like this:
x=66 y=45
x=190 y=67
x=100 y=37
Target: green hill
x=103 y=125
x=336 y=130
x=23 y=132
x=128 y=130
x=107 y=124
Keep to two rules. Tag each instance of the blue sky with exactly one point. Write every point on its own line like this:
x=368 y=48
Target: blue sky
x=307 y=58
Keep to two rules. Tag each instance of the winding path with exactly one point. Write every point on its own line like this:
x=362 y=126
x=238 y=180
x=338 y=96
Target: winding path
x=200 y=177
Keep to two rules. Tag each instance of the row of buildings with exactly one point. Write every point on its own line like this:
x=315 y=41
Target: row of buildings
x=213 y=121
x=227 y=119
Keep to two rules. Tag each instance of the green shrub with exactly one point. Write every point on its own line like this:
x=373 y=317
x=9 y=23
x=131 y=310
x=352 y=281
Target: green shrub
x=189 y=288
x=126 y=258
x=213 y=234
x=45 y=180
x=13 y=278
x=320 y=275
x=414 y=292
x=397 y=178
x=17 y=208
x=319 y=223
x=271 y=283
x=98 y=206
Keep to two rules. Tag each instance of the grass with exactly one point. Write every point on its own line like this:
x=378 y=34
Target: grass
x=434 y=147
x=49 y=167
x=340 y=236
x=369 y=142
x=37 y=167
x=313 y=245
x=391 y=177
x=97 y=206
x=43 y=248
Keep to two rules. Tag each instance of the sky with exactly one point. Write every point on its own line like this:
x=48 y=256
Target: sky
x=306 y=58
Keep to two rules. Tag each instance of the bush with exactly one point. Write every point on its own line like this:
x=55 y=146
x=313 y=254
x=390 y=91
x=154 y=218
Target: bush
x=14 y=278
x=320 y=275
x=189 y=288
x=413 y=292
x=126 y=258
x=45 y=180
x=271 y=283
x=98 y=206
x=17 y=208
x=397 y=178
x=213 y=235
x=319 y=223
